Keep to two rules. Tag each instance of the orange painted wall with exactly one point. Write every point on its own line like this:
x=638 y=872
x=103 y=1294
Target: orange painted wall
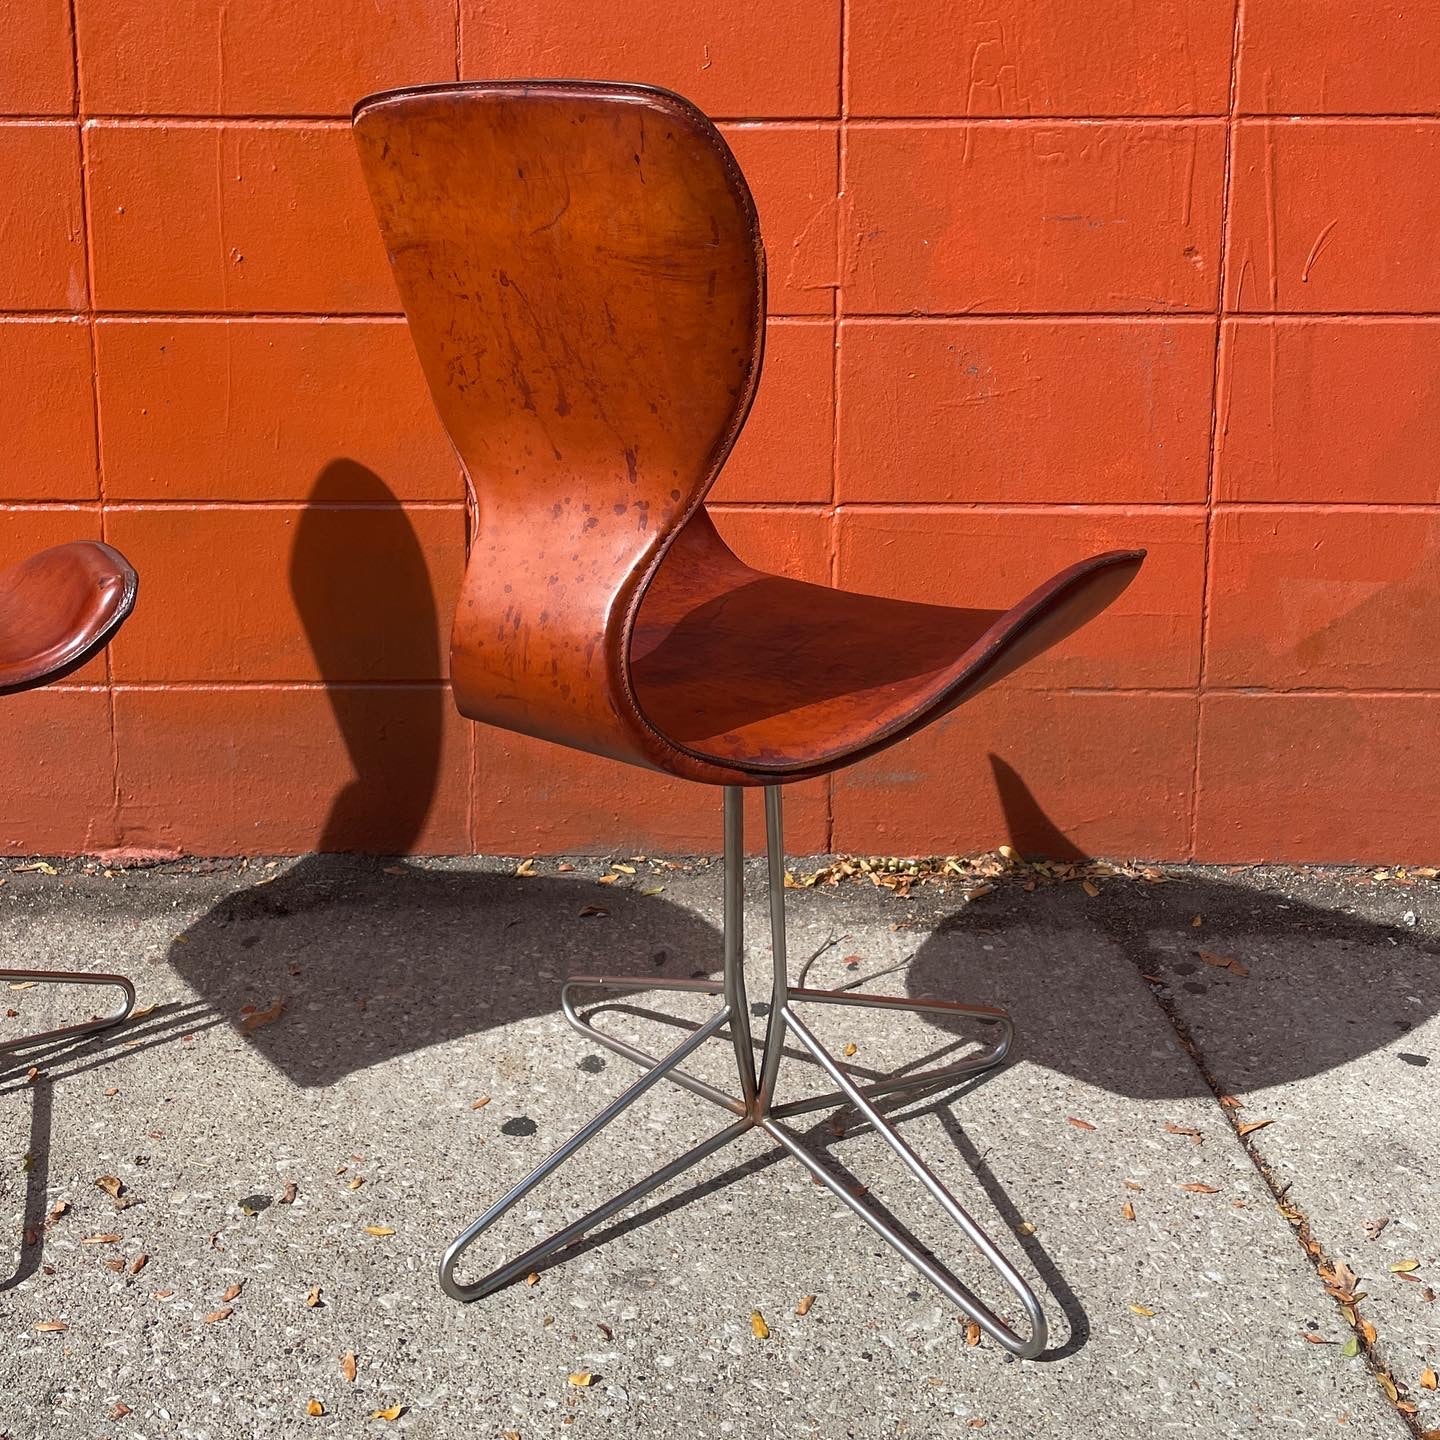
x=1047 y=276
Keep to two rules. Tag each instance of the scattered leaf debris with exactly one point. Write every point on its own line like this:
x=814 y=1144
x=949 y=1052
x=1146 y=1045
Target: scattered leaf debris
x=312 y=1297
x=1373 y=1228
x=1199 y=1187
x=1078 y=1124
x=1403 y=1267
x=52 y=1327
x=287 y=1196
x=392 y=1412
x=581 y=1379
x=1144 y=1310
x=1250 y=1126
x=217 y=1317
x=1127 y=1211
x=314 y=1407
x=972 y=1333
x=348 y=1369
x=758 y=1327
x=481 y=1103
x=1223 y=962
x=379 y=1230
x=257 y=1019
x=803 y=1307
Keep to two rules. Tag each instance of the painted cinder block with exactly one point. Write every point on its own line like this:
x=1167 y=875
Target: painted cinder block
x=534 y=797
x=1051 y=773
x=332 y=592
x=40 y=78
x=1324 y=779
x=1335 y=57
x=993 y=219
x=786 y=450
x=42 y=242
x=990 y=558
x=47 y=441
x=197 y=410
x=1040 y=57
x=748 y=58
x=1329 y=410
x=1081 y=411
x=1334 y=215
x=259 y=57
x=792 y=173
x=59 y=774
x=262 y=770
x=1324 y=598
x=233 y=217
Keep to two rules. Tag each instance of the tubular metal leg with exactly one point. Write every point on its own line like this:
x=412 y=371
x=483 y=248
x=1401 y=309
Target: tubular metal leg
x=70 y=977
x=756 y=1105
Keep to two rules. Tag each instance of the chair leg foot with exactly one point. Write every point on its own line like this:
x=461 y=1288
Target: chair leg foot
x=525 y=1263
x=70 y=977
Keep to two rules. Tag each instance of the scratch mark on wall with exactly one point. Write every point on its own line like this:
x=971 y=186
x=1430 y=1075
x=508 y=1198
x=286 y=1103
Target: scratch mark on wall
x=1321 y=240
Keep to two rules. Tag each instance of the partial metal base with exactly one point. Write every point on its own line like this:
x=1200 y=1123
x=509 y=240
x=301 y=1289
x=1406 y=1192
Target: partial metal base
x=70 y=977
x=754 y=1107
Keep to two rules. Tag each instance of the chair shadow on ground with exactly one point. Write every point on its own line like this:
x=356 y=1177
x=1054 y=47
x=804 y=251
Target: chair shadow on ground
x=376 y=960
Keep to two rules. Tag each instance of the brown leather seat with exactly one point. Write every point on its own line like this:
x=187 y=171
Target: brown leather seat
x=58 y=609
x=583 y=274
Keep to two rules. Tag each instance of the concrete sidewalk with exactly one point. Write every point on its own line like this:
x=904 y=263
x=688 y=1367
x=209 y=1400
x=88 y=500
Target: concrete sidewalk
x=412 y=991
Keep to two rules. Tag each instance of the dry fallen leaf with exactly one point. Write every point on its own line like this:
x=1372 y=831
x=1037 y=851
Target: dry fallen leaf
x=119 y=1410
x=232 y=1292
x=1374 y=1227
x=1144 y=1310
x=139 y=1263
x=978 y=1423
x=525 y=867
x=588 y=910
x=1404 y=1267
x=481 y=1103
x=581 y=1378
x=1252 y=1125
x=216 y=1316
x=105 y=1239
x=1078 y=1124
x=1388 y=1386
x=1428 y=1379
x=116 y=1263
x=47 y=1327
x=1128 y=1211
x=1090 y=888
x=347 y=1366
x=1223 y=962
x=314 y=1408
x=1133 y=1185
x=1199 y=1187
x=1171 y=1128
x=258 y=1018
x=1311 y=1338
x=1025 y=1227
x=288 y=1195
x=379 y=1230
x=312 y=1296
x=112 y=1185
x=1367 y=1330
x=533 y=1278
x=806 y=1301
x=758 y=1327
x=393 y=1413
x=972 y=1333
x=163 y=1294
x=356 y=1183
x=849 y=1050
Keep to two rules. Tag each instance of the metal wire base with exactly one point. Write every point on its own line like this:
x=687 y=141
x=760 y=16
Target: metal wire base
x=754 y=1107
x=70 y=977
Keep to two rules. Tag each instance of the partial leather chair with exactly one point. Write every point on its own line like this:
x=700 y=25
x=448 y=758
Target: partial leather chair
x=59 y=609
x=583 y=274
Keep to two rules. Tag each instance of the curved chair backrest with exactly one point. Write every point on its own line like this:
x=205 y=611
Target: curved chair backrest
x=583 y=275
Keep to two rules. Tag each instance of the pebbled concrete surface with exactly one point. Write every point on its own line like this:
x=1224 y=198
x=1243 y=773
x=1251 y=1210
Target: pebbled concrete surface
x=411 y=990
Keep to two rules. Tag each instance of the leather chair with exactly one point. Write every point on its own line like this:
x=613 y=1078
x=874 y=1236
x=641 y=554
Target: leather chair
x=583 y=275
x=59 y=609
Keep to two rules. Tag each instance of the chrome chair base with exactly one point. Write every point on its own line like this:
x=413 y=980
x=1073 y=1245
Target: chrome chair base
x=70 y=977
x=755 y=1108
